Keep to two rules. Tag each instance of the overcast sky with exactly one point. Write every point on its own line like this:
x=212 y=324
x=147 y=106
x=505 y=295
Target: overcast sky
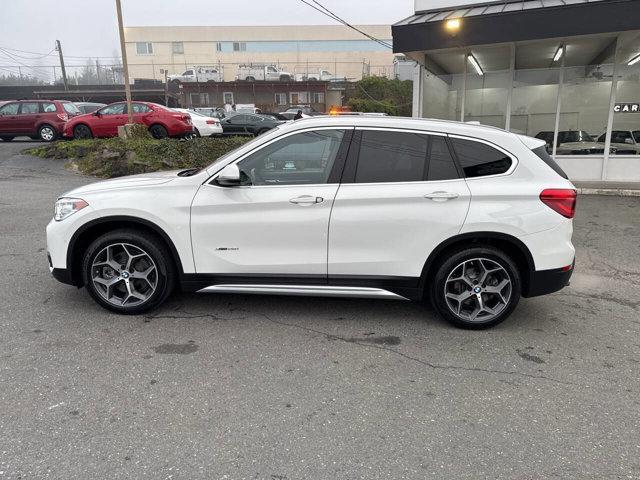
x=89 y=28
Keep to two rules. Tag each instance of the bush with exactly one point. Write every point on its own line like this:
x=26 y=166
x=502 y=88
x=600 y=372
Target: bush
x=115 y=157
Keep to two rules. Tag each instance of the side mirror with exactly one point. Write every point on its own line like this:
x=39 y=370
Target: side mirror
x=229 y=176
x=96 y=113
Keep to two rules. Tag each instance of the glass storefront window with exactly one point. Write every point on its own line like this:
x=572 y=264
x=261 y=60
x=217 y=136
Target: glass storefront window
x=535 y=91
x=625 y=134
x=487 y=94
x=442 y=97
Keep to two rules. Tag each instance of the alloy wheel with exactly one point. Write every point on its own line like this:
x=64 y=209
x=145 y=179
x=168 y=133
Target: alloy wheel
x=47 y=133
x=478 y=290
x=124 y=275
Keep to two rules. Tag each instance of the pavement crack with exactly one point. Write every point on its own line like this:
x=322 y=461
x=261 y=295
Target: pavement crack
x=434 y=366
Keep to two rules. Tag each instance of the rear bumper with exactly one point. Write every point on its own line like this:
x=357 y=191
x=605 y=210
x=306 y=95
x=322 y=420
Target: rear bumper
x=542 y=282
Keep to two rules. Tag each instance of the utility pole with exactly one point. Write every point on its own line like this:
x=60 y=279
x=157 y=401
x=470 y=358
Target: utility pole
x=64 y=71
x=98 y=71
x=125 y=66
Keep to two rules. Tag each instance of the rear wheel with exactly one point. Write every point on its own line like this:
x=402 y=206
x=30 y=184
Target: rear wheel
x=196 y=132
x=251 y=79
x=476 y=287
x=6 y=139
x=285 y=78
x=158 y=131
x=128 y=271
x=82 y=132
x=47 y=133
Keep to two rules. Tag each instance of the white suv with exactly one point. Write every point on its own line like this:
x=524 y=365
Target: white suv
x=472 y=217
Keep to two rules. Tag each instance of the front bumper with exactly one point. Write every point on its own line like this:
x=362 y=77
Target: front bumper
x=542 y=282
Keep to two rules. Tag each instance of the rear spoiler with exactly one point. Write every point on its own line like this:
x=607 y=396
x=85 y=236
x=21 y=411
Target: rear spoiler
x=531 y=142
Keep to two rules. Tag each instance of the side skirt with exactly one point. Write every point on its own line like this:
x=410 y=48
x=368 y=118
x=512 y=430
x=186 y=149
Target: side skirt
x=404 y=288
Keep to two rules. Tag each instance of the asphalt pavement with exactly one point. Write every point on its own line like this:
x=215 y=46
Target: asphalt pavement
x=261 y=387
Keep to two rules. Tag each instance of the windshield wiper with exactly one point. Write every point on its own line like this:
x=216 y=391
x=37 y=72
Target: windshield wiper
x=188 y=172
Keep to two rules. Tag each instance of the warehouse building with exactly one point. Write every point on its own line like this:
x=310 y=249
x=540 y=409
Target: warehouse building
x=298 y=49
x=567 y=71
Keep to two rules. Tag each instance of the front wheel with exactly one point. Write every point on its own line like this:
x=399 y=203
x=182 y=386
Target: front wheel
x=476 y=287
x=128 y=271
x=82 y=132
x=158 y=132
x=6 y=139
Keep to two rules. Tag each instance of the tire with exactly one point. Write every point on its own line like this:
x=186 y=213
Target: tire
x=261 y=131
x=82 y=132
x=47 y=133
x=150 y=275
x=250 y=79
x=6 y=139
x=158 y=131
x=475 y=264
x=285 y=78
x=196 y=132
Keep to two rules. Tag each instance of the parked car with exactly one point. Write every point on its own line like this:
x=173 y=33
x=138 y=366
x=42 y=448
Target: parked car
x=38 y=119
x=307 y=111
x=89 y=107
x=214 y=112
x=275 y=116
x=203 y=126
x=248 y=124
x=564 y=136
x=468 y=216
x=314 y=76
x=253 y=72
x=199 y=74
x=161 y=121
x=625 y=142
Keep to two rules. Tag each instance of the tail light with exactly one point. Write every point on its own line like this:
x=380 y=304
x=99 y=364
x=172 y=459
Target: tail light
x=63 y=116
x=212 y=122
x=561 y=200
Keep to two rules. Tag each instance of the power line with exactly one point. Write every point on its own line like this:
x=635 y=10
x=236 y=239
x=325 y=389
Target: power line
x=325 y=11
x=35 y=70
x=51 y=54
x=341 y=20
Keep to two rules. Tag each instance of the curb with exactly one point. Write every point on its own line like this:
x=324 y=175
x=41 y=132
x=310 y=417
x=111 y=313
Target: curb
x=617 y=192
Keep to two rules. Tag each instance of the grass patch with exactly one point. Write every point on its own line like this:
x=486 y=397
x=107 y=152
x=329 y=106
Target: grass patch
x=115 y=157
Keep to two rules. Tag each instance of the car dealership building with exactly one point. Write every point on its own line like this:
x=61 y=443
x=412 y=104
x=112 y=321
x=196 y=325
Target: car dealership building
x=566 y=71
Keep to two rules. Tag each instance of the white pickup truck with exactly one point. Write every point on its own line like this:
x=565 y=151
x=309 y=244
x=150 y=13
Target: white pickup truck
x=253 y=72
x=199 y=74
x=314 y=76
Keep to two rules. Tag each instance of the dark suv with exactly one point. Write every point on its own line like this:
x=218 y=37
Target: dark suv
x=38 y=119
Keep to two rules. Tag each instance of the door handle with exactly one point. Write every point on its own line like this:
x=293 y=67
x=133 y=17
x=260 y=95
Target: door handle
x=306 y=200
x=441 y=196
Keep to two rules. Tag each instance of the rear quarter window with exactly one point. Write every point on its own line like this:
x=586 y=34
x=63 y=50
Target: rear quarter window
x=479 y=159
x=542 y=153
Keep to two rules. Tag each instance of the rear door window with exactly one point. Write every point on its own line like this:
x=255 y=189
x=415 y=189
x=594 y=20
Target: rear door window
x=479 y=159
x=387 y=156
x=140 y=108
x=29 y=108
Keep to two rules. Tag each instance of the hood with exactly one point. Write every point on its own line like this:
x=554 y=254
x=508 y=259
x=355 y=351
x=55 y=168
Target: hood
x=132 y=181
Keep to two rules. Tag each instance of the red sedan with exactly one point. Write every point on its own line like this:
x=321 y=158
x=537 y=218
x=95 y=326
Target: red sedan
x=161 y=121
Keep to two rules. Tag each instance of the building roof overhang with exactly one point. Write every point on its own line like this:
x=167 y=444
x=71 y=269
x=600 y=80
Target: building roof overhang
x=512 y=21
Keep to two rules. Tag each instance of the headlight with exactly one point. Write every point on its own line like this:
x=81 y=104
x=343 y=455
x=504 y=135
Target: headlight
x=66 y=207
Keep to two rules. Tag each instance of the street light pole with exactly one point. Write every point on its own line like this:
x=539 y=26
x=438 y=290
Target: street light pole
x=125 y=66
